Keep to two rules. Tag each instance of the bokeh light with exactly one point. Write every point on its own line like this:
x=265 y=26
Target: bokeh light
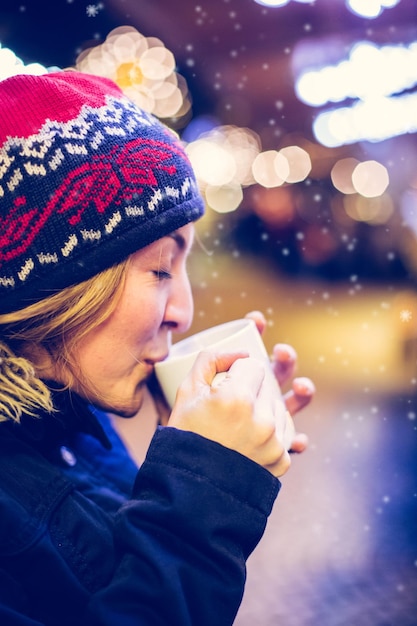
x=270 y=168
x=10 y=65
x=370 y=8
x=274 y=206
x=371 y=210
x=299 y=163
x=144 y=69
x=224 y=199
x=370 y=179
x=213 y=164
x=370 y=71
x=341 y=174
x=272 y=3
x=281 y=3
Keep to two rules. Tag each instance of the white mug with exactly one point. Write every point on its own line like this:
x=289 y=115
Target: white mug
x=238 y=335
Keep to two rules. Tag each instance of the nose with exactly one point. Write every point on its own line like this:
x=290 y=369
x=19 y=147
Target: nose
x=179 y=310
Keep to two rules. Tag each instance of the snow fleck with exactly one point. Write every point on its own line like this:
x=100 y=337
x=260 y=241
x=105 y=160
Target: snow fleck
x=405 y=315
x=93 y=9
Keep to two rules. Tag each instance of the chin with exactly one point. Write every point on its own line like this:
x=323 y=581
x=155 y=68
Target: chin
x=127 y=409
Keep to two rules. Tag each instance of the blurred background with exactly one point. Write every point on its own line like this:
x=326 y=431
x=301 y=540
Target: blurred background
x=300 y=119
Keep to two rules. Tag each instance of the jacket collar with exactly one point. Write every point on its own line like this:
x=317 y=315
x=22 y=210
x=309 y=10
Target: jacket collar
x=73 y=415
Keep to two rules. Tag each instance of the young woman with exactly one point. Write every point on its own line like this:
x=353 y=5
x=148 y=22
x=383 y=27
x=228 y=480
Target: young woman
x=97 y=204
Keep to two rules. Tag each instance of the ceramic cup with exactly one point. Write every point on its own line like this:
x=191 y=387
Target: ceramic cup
x=237 y=335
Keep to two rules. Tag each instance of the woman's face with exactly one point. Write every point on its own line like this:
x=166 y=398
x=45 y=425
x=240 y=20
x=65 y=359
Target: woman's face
x=117 y=357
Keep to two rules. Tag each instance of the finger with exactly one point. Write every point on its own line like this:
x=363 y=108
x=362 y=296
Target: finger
x=208 y=364
x=284 y=362
x=245 y=374
x=299 y=443
x=281 y=466
x=301 y=394
x=289 y=431
x=259 y=319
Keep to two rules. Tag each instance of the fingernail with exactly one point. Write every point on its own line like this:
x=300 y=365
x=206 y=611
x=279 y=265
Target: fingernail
x=303 y=385
x=284 y=352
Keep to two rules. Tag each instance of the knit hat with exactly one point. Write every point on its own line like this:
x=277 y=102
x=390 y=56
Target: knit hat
x=86 y=179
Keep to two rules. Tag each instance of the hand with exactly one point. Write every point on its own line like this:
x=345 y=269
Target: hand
x=236 y=413
x=284 y=362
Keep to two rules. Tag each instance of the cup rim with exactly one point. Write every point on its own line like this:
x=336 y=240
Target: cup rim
x=237 y=324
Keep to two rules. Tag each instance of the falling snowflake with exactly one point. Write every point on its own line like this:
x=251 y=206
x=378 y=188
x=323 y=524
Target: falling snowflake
x=405 y=315
x=92 y=10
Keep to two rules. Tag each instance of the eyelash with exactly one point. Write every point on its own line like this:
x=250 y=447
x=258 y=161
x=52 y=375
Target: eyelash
x=162 y=274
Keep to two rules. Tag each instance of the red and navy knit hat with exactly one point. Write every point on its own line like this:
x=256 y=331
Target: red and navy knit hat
x=86 y=179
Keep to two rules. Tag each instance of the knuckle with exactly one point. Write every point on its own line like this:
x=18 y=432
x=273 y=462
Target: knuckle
x=283 y=464
x=244 y=404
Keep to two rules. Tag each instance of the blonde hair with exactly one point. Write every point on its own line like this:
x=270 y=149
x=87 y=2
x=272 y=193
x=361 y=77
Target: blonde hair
x=56 y=324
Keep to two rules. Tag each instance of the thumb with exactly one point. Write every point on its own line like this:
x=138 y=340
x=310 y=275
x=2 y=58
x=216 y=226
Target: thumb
x=208 y=364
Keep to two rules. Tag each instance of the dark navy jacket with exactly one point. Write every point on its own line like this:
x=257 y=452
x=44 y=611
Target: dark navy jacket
x=87 y=540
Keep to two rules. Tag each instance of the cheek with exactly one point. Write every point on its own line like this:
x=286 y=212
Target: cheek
x=139 y=316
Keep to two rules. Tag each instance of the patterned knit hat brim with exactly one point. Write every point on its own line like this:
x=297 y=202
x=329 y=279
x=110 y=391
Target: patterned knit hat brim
x=86 y=179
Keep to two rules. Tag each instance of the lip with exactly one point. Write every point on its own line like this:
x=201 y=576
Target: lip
x=158 y=359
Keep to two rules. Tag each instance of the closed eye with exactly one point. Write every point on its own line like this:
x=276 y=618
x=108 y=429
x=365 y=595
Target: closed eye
x=162 y=274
